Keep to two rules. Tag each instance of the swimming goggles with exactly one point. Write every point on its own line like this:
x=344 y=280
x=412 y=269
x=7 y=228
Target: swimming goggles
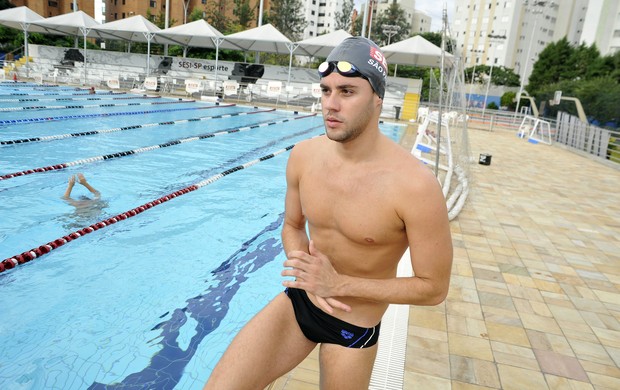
x=345 y=68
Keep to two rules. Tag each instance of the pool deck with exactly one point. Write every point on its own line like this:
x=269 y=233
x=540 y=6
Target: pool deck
x=534 y=300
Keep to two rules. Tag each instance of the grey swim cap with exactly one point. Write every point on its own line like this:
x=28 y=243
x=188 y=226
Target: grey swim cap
x=367 y=58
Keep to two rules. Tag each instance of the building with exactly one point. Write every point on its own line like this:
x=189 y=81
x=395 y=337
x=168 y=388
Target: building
x=419 y=21
x=602 y=26
x=513 y=33
x=180 y=10
x=321 y=16
x=58 y=7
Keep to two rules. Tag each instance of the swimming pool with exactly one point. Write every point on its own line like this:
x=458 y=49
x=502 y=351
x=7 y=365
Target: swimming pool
x=150 y=301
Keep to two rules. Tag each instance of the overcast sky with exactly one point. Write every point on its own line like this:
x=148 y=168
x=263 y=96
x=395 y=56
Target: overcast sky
x=432 y=7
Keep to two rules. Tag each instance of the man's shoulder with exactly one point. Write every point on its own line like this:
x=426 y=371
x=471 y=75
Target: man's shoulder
x=308 y=146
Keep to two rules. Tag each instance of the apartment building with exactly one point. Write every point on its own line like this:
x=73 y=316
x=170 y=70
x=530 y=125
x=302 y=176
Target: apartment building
x=419 y=21
x=513 y=33
x=602 y=26
x=57 y=7
x=180 y=10
x=321 y=16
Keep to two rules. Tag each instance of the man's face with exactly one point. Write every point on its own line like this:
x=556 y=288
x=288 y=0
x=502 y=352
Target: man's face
x=348 y=105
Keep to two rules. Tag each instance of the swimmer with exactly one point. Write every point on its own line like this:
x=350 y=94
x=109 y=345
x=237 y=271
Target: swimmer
x=84 y=201
x=91 y=91
x=355 y=201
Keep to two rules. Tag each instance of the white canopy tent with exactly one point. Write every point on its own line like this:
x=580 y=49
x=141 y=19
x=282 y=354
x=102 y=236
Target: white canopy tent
x=133 y=29
x=20 y=18
x=265 y=38
x=196 y=34
x=415 y=51
x=322 y=45
x=73 y=23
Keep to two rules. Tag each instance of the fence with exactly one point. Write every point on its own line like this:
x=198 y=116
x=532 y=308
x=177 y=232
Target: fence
x=575 y=134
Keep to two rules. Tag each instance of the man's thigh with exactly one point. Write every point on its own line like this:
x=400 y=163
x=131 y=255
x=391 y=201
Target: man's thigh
x=346 y=368
x=267 y=347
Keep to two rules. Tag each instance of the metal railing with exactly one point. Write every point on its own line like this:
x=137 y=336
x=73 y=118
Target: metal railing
x=584 y=137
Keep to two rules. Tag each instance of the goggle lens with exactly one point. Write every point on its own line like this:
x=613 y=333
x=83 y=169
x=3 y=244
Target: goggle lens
x=343 y=67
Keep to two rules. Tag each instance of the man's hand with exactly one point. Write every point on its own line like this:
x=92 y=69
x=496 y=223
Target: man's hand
x=315 y=274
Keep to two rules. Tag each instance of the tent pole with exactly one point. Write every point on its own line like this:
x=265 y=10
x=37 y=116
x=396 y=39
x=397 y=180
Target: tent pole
x=25 y=27
x=217 y=42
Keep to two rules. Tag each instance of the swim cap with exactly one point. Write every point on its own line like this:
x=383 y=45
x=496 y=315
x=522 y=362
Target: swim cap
x=367 y=58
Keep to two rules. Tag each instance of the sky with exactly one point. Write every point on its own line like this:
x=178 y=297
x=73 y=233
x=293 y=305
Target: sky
x=432 y=7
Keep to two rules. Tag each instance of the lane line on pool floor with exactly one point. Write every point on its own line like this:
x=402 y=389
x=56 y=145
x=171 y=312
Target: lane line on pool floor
x=14 y=261
x=131 y=127
x=82 y=116
x=147 y=148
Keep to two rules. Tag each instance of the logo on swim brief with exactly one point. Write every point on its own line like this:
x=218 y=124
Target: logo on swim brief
x=346 y=334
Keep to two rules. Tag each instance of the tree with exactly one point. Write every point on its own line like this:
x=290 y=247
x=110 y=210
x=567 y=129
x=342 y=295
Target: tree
x=216 y=15
x=552 y=66
x=195 y=15
x=244 y=13
x=343 y=19
x=287 y=16
x=435 y=39
x=508 y=100
x=393 y=16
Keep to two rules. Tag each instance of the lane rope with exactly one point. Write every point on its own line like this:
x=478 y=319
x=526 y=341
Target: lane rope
x=31 y=108
x=14 y=261
x=81 y=116
x=21 y=100
x=146 y=148
x=115 y=129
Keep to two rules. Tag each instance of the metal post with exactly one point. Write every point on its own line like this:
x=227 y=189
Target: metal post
x=440 y=113
x=496 y=38
x=390 y=30
x=366 y=7
x=166 y=24
x=536 y=11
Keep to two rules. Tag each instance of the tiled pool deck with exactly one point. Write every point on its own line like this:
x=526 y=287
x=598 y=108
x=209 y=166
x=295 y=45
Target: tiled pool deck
x=534 y=301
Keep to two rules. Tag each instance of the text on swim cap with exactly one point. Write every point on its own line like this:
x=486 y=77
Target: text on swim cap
x=378 y=61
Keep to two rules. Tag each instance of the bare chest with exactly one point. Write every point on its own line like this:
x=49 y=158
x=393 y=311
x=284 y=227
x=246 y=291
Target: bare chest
x=361 y=207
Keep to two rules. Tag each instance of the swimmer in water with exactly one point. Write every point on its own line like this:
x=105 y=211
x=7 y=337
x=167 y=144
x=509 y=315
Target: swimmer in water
x=83 y=201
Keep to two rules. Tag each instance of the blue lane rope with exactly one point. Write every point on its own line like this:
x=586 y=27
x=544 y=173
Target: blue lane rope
x=115 y=129
x=81 y=116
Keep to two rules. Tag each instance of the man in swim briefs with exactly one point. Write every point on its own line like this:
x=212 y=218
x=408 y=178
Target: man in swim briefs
x=355 y=202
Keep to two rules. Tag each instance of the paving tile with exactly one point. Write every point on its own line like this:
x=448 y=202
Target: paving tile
x=557 y=382
x=417 y=381
x=474 y=371
x=515 y=378
x=515 y=335
x=560 y=365
x=591 y=351
x=543 y=324
x=468 y=346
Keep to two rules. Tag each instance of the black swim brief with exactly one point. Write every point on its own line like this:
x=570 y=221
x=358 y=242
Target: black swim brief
x=321 y=327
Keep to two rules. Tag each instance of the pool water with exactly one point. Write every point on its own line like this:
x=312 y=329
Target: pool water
x=151 y=301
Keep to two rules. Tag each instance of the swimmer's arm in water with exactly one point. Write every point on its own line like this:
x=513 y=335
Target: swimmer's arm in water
x=67 y=194
x=82 y=181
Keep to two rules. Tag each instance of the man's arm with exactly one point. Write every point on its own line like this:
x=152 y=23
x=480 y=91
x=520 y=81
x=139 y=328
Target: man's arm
x=294 y=236
x=428 y=234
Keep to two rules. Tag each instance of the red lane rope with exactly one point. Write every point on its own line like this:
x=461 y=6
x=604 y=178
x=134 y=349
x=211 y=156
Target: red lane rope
x=14 y=261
